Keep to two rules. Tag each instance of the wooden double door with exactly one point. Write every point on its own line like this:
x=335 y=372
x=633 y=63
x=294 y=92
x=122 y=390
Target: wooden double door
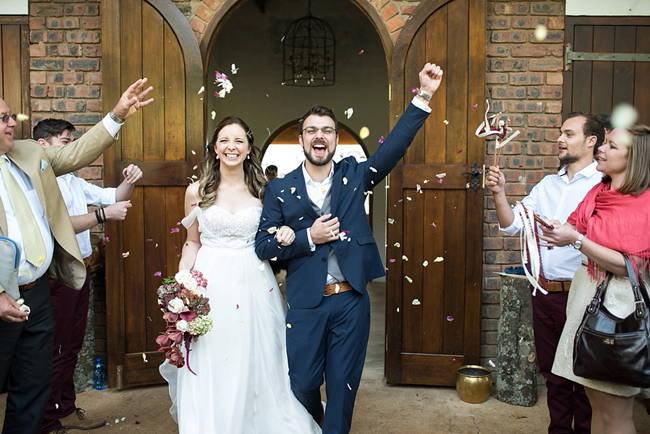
x=433 y=317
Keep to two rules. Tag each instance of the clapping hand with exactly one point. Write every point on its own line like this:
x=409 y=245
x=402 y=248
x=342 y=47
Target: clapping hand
x=132 y=174
x=131 y=100
x=430 y=78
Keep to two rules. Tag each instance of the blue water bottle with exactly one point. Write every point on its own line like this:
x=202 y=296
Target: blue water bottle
x=99 y=375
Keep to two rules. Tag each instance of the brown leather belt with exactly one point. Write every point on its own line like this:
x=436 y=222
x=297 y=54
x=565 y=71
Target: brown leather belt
x=558 y=285
x=27 y=286
x=337 y=288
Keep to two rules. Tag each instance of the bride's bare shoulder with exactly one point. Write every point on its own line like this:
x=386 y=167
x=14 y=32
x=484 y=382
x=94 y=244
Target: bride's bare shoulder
x=192 y=190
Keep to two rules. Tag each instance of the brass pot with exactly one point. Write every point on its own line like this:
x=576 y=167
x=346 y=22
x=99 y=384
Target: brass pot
x=474 y=383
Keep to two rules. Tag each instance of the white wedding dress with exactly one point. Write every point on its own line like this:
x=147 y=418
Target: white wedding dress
x=241 y=384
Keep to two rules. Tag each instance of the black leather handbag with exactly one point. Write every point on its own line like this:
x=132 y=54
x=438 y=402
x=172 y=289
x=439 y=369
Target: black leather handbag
x=612 y=349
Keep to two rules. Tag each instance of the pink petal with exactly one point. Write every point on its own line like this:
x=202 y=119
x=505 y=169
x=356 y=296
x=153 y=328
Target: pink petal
x=270 y=289
x=475 y=106
x=458 y=152
x=106 y=239
x=174 y=231
x=361 y=52
x=381 y=140
x=178 y=223
x=439 y=180
x=149 y=240
x=414 y=90
x=450 y=318
x=391 y=260
x=195 y=167
x=158 y=273
x=433 y=224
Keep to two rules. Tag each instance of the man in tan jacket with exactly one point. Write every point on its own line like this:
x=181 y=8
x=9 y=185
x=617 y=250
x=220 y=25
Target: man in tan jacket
x=33 y=214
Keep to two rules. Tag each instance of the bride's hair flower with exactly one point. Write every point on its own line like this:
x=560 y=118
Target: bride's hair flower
x=185 y=310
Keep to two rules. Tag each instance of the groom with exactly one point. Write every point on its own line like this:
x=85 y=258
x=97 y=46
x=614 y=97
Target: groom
x=334 y=254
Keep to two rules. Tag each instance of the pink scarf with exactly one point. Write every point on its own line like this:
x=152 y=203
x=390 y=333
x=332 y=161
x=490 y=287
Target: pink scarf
x=618 y=221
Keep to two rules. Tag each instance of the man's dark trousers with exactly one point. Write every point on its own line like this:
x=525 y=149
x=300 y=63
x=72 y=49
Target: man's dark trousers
x=566 y=400
x=26 y=362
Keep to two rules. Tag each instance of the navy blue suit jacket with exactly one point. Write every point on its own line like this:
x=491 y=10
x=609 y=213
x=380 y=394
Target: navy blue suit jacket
x=357 y=255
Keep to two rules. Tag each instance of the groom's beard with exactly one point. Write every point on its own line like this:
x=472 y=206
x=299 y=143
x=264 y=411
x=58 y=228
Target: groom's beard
x=319 y=160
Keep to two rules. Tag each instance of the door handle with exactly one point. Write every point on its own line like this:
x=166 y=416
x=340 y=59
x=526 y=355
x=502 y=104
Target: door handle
x=475 y=180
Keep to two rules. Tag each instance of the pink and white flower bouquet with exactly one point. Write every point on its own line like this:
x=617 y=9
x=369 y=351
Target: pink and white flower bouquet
x=185 y=310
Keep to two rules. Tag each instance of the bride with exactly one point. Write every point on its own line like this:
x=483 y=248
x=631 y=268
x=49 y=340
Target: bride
x=241 y=384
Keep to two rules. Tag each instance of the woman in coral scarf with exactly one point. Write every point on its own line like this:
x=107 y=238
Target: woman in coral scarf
x=612 y=219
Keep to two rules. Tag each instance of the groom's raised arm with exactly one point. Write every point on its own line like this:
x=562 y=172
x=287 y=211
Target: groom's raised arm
x=266 y=246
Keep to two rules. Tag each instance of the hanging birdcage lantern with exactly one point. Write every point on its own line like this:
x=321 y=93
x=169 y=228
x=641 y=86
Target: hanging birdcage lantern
x=309 y=49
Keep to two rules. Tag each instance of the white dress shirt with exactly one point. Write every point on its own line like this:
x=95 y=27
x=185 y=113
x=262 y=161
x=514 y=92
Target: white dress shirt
x=77 y=194
x=27 y=272
x=555 y=197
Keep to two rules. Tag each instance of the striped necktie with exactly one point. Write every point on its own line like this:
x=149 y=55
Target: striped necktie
x=32 y=240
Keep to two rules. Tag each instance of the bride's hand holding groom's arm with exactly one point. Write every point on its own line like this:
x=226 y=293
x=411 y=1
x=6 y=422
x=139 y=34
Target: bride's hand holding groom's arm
x=193 y=240
x=285 y=236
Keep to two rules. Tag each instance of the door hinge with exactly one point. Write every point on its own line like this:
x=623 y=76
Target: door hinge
x=570 y=56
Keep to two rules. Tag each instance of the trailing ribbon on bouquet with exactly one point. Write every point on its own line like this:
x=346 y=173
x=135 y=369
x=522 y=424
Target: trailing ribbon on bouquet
x=530 y=256
x=497 y=126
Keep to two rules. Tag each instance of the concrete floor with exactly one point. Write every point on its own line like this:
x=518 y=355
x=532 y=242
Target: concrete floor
x=380 y=408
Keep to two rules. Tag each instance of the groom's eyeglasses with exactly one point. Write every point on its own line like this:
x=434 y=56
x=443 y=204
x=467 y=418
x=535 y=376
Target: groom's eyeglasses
x=5 y=118
x=314 y=130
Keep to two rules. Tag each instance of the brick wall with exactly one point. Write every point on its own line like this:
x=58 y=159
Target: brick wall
x=524 y=80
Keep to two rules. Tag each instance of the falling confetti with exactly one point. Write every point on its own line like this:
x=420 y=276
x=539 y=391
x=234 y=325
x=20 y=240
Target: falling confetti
x=381 y=140
x=158 y=273
x=293 y=190
x=450 y=318
x=364 y=132
x=446 y=122
x=345 y=181
x=391 y=260
x=174 y=231
x=398 y=310
x=125 y=254
x=201 y=90
x=349 y=112
x=106 y=239
x=624 y=116
x=361 y=52
x=196 y=166
x=492 y=363
x=372 y=169
x=396 y=244
x=272 y=230
x=270 y=289
x=414 y=90
x=474 y=106
x=408 y=279
x=20 y=117
x=433 y=224
x=459 y=151
x=261 y=267
x=288 y=326
x=540 y=32
x=213 y=114
x=280 y=199
x=416 y=302
x=425 y=263
x=439 y=259
x=408 y=198
x=144 y=358
x=193 y=152
x=391 y=221
x=233 y=69
x=441 y=175
x=404 y=258
x=425 y=181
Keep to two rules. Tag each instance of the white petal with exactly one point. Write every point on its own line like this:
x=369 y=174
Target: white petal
x=416 y=302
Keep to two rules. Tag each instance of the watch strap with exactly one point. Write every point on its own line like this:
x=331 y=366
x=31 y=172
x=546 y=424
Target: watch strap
x=423 y=94
x=115 y=118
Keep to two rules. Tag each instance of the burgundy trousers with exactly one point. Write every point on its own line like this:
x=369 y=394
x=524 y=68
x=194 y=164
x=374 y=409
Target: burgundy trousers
x=70 y=310
x=567 y=402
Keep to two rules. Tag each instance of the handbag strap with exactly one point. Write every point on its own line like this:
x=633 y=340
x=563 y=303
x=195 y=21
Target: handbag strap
x=639 y=303
x=594 y=306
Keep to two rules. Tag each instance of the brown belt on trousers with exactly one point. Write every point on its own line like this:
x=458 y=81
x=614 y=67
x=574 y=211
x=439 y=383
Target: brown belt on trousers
x=27 y=286
x=558 y=285
x=337 y=288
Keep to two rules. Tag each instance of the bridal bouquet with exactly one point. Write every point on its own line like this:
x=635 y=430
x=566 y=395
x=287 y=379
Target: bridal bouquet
x=185 y=310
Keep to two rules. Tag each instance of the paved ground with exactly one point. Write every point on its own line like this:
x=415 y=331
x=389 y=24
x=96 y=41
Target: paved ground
x=380 y=409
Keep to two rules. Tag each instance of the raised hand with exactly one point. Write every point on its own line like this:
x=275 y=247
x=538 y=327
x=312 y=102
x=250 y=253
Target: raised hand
x=131 y=100
x=494 y=180
x=324 y=229
x=430 y=78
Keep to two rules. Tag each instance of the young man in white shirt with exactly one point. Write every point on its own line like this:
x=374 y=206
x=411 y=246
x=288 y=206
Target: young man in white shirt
x=69 y=306
x=556 y=197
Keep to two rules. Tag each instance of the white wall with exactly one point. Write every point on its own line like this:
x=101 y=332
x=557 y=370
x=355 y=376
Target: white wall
x=608 y=7
x=14 y=7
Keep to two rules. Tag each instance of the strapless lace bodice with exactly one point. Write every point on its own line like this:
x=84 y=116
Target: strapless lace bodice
x=221 y=229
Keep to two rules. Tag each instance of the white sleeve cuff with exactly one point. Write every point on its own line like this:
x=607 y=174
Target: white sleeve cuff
x=111 y=126
x=312 y=246
x=419 y=104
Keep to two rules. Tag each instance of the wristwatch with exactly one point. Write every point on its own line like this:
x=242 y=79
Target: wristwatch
x=115 y=118
x=578 y=244
x=423 y=94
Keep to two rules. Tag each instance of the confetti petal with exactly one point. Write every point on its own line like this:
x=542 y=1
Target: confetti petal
x=233 y=69
x=446 y=122
x=293 y=190
x=144 y=358
x=201 y=90
x=425 y=263
x=364 y=132
x=441 y=175
x=261 y=267
x=381 y=140
x=125 y=254
x=391 y=221
x=450 y=318
x=345 y=181
x=349 y=386
x=404 y=258
x=414 y=90
x=213 y=114
x=439 y=259
x=433 y=224
x=474 y=106
x=106 y=239
x=492 y=363
x=349 y=112
x=361 y=52
x=288 y=326
x=158 y=273
x=20 y=117
x=416 y=302
x=391 y=260
x=372 y=169
x=174 y=231
x=272 y=230
x=408 y=279
x=396 y=244
x=280 y=199
x=540 y=32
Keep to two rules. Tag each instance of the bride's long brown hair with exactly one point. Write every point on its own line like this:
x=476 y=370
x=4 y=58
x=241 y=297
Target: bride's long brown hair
x=210 y=166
